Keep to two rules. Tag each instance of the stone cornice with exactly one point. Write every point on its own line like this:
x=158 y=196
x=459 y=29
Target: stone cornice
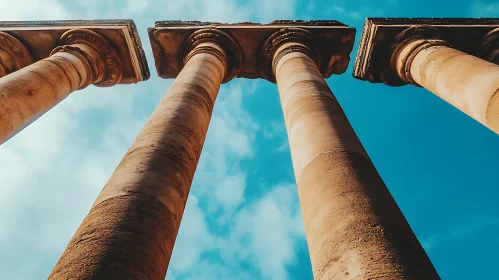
x=232 y=58
x=13 y=54
x=335 y=42
x=41 y=37
x=379 y=35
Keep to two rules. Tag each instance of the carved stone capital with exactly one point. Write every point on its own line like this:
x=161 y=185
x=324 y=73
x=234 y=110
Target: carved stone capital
x=378 y=42
x=229 y=53
x=490 y=47
x=334 y=41
x=404 y=48
x=285 y=41
x=13 y=54
x=101 y=60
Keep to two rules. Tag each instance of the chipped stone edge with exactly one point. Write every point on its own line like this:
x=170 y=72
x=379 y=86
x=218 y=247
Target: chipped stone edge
x=180 y=23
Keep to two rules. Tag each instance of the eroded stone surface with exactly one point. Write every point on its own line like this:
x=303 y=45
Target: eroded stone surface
x=132 y=226
x=354 y=228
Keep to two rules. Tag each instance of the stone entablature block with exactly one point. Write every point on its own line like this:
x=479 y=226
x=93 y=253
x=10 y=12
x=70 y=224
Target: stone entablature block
x=381 y=36
x=42 y=37
x=168 y=39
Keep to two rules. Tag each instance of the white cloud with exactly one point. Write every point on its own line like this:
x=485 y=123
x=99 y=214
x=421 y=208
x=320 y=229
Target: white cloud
x=230 y=190
x=343 y=11
x=274 y=129
x=337 y=10
x=51 y=172
x=272 y=10
x=272 y=225
x=219 y=181
x=33 y=10
x=283 y=147
x=265 y=233
x=482 y=9
x=194 y=240
x=465 y=228
x=277 y=130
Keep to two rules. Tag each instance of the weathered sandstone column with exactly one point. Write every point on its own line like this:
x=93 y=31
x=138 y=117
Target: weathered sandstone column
x=132 y=226
x=354 y=228
x=84 y=57
x=467 y=82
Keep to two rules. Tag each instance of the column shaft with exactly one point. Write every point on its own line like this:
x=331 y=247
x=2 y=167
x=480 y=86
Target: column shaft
x=84 y=57
x=467 y=82
x=131 y=228
x=354 y=228
x=29 y=92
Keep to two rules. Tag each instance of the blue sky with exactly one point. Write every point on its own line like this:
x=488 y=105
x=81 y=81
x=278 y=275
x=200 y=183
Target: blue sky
x=242 y=219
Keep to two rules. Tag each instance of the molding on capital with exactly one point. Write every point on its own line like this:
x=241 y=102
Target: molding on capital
x=489 y=49
x=232 y=58
x=13 y=54
x=306 y=43
x=426 y=36
x=381 y=36
x=107 y=69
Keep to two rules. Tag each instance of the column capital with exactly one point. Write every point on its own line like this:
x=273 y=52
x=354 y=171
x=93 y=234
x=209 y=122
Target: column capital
x=228 y=50
x=404 y=48
x=14 y=55
x=41 y=37
x=381 y=37
x=490 y=46
x=283 y=42
x=170 y=39
x=100 y=58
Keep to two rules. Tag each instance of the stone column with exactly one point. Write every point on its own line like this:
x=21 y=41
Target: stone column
x=13 y=54
x=353 y=226
x=132 y=226
x=84 y=57
x=467 y=82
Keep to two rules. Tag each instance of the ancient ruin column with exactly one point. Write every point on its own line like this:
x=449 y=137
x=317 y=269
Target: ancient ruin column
x=353 y=226
x=132 y=226
x=467 y=82
x=84 y=57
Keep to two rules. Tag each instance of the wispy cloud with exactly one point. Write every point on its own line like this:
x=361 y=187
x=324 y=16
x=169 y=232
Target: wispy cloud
x=457 y=232
x=484 y=9
x=51 y=172
x=264 y=235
